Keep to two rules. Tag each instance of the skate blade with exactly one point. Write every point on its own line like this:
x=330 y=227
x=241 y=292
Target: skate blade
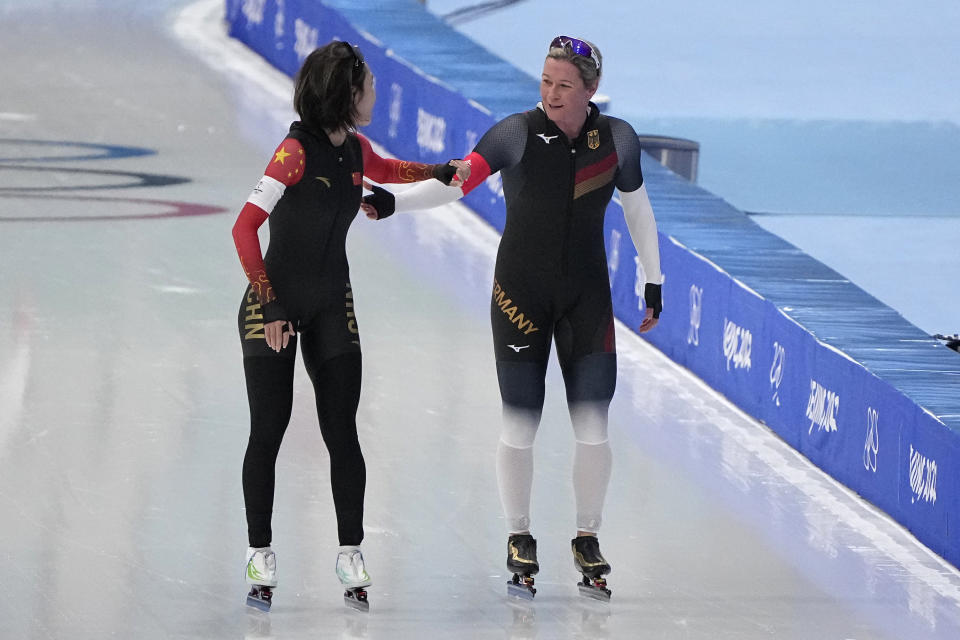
x=594 y=593
x=357 y=599
x=258 y=603
x=521 y=591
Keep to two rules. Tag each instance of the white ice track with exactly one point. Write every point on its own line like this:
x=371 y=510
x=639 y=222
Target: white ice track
x=123 y=426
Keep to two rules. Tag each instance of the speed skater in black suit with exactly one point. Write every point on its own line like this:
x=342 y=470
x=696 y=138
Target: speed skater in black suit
x=300 y=291
x=559 y=164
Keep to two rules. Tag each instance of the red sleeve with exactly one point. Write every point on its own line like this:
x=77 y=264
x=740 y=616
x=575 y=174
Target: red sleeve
x=286 y=167
x=248 y=248
x=479 y=171
x=389 y=170
x=288 y=162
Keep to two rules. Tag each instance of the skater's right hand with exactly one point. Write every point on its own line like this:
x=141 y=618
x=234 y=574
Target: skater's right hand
x=453 y=174
x=278 y=334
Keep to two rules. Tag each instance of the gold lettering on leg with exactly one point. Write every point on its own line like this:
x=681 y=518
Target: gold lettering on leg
x=351 y=316
x=518 y=318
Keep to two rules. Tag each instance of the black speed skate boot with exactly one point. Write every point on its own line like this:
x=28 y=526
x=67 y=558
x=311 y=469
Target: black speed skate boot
x=591 y=563
x=522 y=561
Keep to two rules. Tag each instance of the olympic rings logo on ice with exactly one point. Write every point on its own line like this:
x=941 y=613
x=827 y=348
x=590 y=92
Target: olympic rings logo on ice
x=776 y=370
x=696 y=308
x=872 y=445
x=305 y=38
x=62 y=187
x=431 y=131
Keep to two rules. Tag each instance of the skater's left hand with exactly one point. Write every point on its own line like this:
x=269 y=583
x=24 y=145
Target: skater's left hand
x=378 y=205
x=653 y=300
x=649 y=322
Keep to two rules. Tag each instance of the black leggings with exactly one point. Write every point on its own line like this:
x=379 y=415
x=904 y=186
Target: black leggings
x=336 y=383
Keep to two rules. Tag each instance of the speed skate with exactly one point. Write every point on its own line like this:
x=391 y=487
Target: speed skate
x=260 y=597
x=522 y=562
x=593 y=566
x=354 y=577
x=261 y=575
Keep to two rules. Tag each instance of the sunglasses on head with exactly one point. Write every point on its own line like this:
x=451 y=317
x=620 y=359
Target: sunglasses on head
x=577 y=47
x=358 y=60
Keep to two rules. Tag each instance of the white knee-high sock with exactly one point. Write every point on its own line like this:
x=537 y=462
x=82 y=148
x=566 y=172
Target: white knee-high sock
x=591 y=477
x=592 y=459
x=515 y=467
x=515 y=479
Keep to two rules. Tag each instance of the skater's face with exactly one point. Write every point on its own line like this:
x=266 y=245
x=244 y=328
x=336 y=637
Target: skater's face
x=564 y=95
x=365 y=99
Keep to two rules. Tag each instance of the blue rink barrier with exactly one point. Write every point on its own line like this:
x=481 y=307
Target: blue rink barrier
x=844 y=379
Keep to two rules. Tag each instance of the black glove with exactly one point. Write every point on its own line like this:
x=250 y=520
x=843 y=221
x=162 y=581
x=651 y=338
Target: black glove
x=652 y=297
x=272 y=311
x=443 y=172
x=381 y=200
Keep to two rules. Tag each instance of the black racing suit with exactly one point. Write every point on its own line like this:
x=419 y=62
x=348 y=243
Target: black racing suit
x=307 y=263
x=550 y=279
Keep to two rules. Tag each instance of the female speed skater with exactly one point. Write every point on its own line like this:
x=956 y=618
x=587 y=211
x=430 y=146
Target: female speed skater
x=311 y=192
x=560 y=163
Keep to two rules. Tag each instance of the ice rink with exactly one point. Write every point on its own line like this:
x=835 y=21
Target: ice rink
x=129 y=138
